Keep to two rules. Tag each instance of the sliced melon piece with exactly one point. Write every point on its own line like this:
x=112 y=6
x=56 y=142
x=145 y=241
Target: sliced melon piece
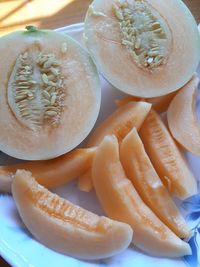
x=182 y=119
x=167 y=160
x=118 y=123
x=85 y=181
x=121 y=202
x=51 y=173
x=160 y=103
x=146 y=181
x=65 y=227
x=140 y=45
x=49 y=94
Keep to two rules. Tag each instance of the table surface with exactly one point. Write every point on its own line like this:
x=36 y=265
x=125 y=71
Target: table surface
x=16 y=14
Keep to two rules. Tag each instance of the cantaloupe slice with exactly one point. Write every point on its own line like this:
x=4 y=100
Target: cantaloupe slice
x=51 y=173
x=85 y=181
x=65 y=227
x=49 y=94
x=121 y=202
x=182 y=119
x=140 y=45
x=167 y=160
x=160 y=103
x=119 y=123
x=146 y=181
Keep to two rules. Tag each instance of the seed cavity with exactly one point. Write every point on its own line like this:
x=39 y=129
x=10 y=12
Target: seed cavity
x=144 y=33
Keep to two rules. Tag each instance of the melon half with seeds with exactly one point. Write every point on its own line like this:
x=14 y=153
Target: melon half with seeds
x=144 y=48
x=49 y=94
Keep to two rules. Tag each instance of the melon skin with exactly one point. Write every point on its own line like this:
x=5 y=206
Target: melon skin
x=103 y=40
x=65 y=227
x=81 y=104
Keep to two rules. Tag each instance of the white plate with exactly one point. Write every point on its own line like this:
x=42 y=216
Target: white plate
x=20 y=249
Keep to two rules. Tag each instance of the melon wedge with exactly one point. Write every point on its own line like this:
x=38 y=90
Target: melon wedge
x=146 y=181
x=49 y=94
x=182 y=119
x=51 y=173
x=160 y=103
x=121 y=202
x=65 y=227
x=85 y=181
x=140 y=46
x=167 y=160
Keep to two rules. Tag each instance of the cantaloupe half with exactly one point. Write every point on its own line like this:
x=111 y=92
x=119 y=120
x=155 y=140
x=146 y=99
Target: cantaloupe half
x=182 y=119
x=121 y=202
x=167 y=160
x=65 y=227
x=119 y=123
x=160 y=103
x=140 y=45
x=51 y=173
x=146 y=181
x=49 y=94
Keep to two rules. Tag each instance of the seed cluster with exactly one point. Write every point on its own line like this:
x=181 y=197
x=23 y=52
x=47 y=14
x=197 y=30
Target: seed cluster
x=142 y=33
x=51 y=86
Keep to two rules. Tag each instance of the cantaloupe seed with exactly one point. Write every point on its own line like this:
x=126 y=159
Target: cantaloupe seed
x=36 y=88
x=145 y=33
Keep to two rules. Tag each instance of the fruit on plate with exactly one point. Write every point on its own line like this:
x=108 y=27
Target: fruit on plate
x=140 y=46
x=65 y=227
x=146 y=181
x=49 y=94
x=51 y=173
x=160 y=103
x=121 y=201
x=85 y=181
x=119 y=123
x=166 y=158
x=182 y=119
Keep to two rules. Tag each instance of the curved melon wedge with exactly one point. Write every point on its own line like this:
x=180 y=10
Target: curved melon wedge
x=65 y=227
x=182 y=119
x=166 y=157
x=51 y=173
x=85 y=181
x=142 y=174
x=121 y=202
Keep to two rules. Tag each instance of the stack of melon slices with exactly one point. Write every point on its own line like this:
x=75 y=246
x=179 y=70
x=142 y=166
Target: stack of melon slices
x=50 y=99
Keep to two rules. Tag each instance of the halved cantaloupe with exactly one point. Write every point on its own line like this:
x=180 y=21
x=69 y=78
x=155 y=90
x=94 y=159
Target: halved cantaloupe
x=182 y=119
x=65 y=227
x=140 y=45
x=49 y=94
x=146 y=181
x=51 y=173
x=119 y=123
x=121 y=202
x=167 y=160
x=85 y=181
x=160 y=104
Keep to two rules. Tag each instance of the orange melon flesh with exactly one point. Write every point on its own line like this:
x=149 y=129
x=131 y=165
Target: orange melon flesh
x=160 y=104
x=85 y=181
x=146 y=181
x=119 y=123
x=36 y=136
x=166 y=157
x=65 y=227
x=51 y=173
x=114 y=59
x=121 y=202
x=182 y=119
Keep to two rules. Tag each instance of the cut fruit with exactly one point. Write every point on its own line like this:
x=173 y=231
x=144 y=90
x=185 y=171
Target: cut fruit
x=121 y=202
x=182 y=119
x=118 y=123
x=140 y=46
x=160 y=104
x=49 y=94
x=65 y=227
x=166 y=157
x=142 y=174
x=121 y=122
x=51 y=173
x=85 y=181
